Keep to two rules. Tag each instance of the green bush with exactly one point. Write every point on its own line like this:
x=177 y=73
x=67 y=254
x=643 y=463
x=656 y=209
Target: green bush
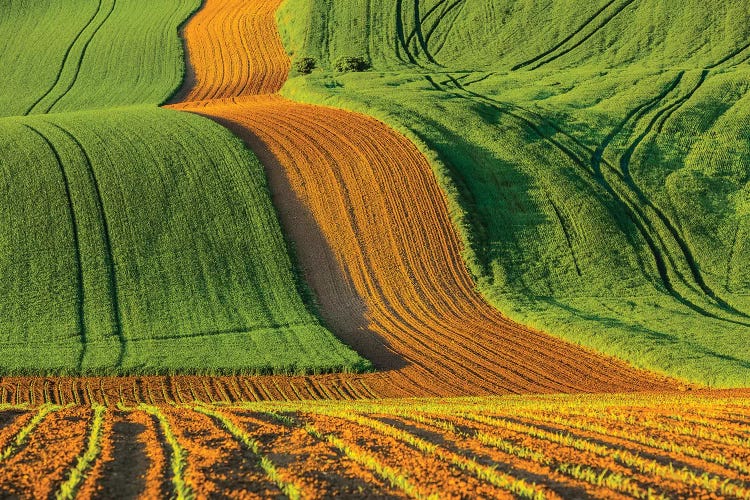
x=305 y=65
x=351 y=63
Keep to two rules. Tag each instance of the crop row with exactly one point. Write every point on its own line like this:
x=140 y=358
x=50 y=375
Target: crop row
x=402 y=448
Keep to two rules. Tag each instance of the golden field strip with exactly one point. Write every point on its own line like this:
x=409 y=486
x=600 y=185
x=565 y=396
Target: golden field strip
x=613 y=446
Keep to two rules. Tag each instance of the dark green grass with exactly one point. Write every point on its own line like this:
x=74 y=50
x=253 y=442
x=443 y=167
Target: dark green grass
x=595 y=157
x=134 y=239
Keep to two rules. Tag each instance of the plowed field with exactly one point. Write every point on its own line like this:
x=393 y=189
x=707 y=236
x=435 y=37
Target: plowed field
x=532 y=447
x=233 y=52
x=373 y=232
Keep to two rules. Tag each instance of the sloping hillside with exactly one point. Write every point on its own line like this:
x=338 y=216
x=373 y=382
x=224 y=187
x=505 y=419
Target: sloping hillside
x=135 y=239
x=595 y=157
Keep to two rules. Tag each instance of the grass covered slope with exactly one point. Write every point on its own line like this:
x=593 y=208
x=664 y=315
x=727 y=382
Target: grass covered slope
x=70 y=55
x=144 y=240
x=596 y=157
x=136 y=239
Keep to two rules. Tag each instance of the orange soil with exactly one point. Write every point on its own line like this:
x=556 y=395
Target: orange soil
x=638 y=435
x=373 y=231
x=427 y=472
x=316 y=468
x=375 y=241
x=249 y=65
x=559 y=454
x=132 y=462
x=529 y=470
x=219 y=465
x=12 y=421
x=42 y=464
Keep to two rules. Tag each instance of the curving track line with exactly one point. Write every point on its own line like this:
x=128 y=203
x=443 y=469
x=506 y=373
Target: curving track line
x=373 y=232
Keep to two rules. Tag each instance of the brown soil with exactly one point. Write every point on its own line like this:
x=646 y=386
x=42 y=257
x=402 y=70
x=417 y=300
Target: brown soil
x=122 y=468
x=217 y=463
x=375 y=242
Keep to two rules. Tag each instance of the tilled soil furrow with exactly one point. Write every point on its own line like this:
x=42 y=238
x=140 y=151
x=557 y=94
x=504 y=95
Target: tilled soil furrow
x=11 y=422
x=40 y=466
x=652 y=427
x=649 y=465
x=535 y=466
x=604 y=474
x=380 y=249
x=429 y=473
x=320 y=470
x=124 y=463
x=700 y=459
x=217 y=464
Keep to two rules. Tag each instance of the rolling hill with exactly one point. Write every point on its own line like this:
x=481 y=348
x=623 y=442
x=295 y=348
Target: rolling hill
x=136 y=239
x=595 y=157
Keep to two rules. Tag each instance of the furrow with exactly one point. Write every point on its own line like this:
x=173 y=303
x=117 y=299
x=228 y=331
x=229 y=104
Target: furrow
x=38 y=467
x=580 y=42
x=69 y=489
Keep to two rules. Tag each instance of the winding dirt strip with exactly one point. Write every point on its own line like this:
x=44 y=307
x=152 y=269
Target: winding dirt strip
x=373 y=232
x=248 y=65
x=376 y=243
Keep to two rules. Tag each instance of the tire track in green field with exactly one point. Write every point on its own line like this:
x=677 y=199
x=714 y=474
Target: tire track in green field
x=687 y=256
x=630 y=199
x=564 y=40
x=401 y=36
x=732 y=55
x=65 y=59
x=680 y=102
x=456 y=12
x=730 y=259
x=632 y=207
x=55 y=87
x=420 y=35
x=629 y=202
x=424 y=19
x=80 y=61
x=587 y=23
x=107 y=241
x=566 y=232
x=744 y=60
x=417 y=34
x=596 y=159
x=658 y=121
x=75 y=235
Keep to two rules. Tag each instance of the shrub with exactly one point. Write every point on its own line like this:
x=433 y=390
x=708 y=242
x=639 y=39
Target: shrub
x=305 y=65
x=351 y=63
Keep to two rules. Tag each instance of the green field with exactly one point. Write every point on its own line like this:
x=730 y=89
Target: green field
x=89 y=54
x=135 y=239
x=595 y=155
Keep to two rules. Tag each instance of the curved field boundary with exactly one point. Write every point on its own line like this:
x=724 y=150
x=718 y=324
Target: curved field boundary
x=529 y=447
x=374 y=235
